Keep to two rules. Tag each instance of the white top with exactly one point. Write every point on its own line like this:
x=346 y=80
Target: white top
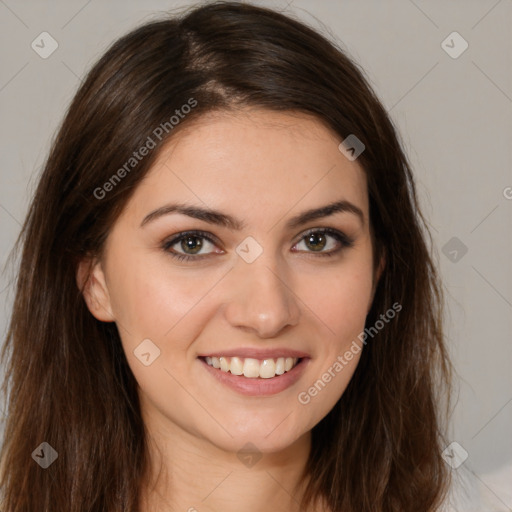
x=472 y=492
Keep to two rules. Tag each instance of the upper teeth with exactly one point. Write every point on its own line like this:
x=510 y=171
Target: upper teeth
x=253 y=368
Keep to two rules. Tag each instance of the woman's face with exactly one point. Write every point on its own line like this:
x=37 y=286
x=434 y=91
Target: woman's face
x=257 y=279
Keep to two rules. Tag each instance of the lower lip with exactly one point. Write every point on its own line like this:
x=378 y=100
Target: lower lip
x=259 y=386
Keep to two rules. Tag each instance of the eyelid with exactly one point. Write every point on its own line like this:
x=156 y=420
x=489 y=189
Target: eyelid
x=343 y=239
x=192 y=232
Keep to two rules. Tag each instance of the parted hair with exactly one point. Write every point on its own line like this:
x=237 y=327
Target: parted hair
x=67 y=379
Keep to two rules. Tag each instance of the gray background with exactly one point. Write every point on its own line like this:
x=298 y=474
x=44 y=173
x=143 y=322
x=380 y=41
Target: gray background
x=454 y=115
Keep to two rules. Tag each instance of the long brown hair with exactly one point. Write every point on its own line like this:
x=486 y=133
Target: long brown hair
x=68 y=382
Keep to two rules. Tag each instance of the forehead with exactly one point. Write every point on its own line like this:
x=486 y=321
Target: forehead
x=258 y=162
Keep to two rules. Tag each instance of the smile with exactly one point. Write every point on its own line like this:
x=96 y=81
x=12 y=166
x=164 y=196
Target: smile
x=253 y=368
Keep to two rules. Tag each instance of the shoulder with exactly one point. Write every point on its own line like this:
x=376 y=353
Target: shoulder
x=471 y=492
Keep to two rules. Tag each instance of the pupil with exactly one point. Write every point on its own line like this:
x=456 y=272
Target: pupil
x=192 y=244
x=314 y=239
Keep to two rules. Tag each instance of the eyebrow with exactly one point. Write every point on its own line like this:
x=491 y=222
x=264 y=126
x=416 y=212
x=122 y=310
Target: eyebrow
x=222 y=219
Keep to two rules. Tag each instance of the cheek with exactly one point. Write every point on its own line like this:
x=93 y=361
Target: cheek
x=340 y=308
x=148 y=300
x=341 y=299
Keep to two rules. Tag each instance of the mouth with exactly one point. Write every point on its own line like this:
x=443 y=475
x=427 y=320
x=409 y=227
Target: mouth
x=251 y=368
x=256 y=377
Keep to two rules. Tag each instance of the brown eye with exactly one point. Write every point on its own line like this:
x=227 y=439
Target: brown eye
x=324 y=242
x=191 y=244
x=316 y=241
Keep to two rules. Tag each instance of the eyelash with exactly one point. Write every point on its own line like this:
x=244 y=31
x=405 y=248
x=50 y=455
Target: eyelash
x=344 y=241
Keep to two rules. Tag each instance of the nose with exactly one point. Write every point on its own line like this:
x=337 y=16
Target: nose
x=261 y=301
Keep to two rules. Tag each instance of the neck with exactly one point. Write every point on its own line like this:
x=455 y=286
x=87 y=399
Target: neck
x=191 y=474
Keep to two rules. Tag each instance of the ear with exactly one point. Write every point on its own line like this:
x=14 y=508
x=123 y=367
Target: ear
x=91 y=281
x=376 y=277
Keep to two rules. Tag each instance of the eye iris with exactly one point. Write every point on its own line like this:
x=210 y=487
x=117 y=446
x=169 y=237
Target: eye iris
x=316 y=241
x=191 y=244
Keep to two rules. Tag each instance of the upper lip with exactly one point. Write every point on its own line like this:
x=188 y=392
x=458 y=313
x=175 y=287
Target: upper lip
x=257 y=353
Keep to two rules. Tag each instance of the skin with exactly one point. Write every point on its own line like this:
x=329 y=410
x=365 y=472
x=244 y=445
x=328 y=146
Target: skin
x=263 y=168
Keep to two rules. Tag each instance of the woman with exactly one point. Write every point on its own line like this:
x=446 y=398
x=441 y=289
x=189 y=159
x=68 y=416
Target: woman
x=226 y=298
